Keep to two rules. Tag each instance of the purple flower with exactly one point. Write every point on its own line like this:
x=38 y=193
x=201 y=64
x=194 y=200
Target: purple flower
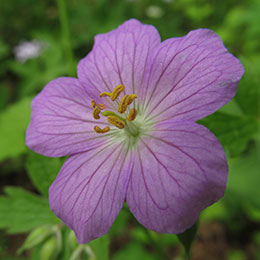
x=128 y=123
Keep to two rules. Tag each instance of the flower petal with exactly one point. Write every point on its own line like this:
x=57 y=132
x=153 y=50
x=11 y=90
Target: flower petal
x=178 y=171
x=62 y=121
x=190 y=77
x=119 y=57
x=90 y=190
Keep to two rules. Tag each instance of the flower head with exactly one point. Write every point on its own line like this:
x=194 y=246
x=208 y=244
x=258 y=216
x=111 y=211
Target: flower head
x=128 y=123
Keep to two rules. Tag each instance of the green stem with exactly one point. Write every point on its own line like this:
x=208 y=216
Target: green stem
x=65 y=33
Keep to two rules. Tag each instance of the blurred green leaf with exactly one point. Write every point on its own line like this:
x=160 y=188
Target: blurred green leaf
x=69 y=243
x=134 y=251
x=79 y=253
x=42 y=170
x=49 y=250
x=167 y=239
x=248 y=94
x=121 y=222
x=252 y=212
x=215 y=211
x=236 y=255
x=3 y=96
x=4 y=49
x=13 y=123
x=97 y=249
x=244 y=177
x=22 y=211
x=232 y=108
x=138 y=234
x=35 y=253
x=100 y=247
x=37 y=236
x=234 y=132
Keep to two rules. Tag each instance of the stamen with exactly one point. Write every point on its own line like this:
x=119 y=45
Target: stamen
x=105 y=94
x=112 y=117
x=117 y=91
x=126 y=101
x=101 y=131
x=96 y=112
x=116 y=121
x=131 y=98
x=123 y=104
x=132 y=115
x=100 y=106
x=93 y=103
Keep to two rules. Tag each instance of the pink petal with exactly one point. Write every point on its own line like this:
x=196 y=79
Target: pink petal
x=119 y=57
x=191 y=77
x=62 y=121
x=90 y=190
x=178 y=171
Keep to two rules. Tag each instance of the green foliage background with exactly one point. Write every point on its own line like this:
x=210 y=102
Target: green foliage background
x=29 y=230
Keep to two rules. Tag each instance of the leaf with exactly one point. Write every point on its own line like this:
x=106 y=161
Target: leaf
x=187 y=237
x=49 y=249
x=4 y=96
x=22 y=211
x=95 y=250
x=134 y=251
x=248 y=94
x=100 y=247
x=244 y=177
x=215 y=211
x=13 y=123
x=234 y=132
x=42 y=170
x=69 y=243
x=4 y=49
x=37 y=236
x=120 y=223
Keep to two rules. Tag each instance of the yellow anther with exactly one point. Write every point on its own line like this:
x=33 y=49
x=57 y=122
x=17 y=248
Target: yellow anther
x=96 y=112
x=131 y=98
x=132 y=115
x=100 y=130
x=123 y=104
x=116 y=121
x=105 y=94
x=93 y=103
x=117 y=91
x=100 y=106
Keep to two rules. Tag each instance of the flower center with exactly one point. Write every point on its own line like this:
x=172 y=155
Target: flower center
x=124 y=115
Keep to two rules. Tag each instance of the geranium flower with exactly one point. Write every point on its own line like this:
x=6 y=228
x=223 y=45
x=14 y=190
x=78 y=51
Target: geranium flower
x=128 y=123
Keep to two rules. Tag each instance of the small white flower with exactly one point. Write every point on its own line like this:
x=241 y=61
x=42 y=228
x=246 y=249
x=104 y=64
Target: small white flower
x=28 y=50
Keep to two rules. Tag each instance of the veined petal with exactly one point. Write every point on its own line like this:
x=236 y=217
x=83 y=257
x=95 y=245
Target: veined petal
x=119 y=57
x=62 y=121
x=191 y=77
x=178 y=171
x=90 y=190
